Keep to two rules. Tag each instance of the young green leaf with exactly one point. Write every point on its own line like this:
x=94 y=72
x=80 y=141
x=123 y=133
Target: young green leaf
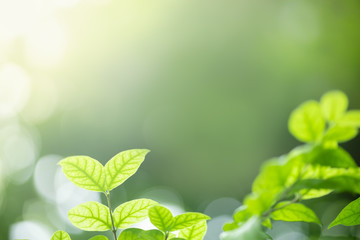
x=195 y=232
x=84 y=172
x=99 y=237
x=350 y=119
x=187 y=220
x=306 y=122
x=340 y=133
x=90 y=216
x=333 y=105
x=132 y=212
x=241 y=214
x=349 y=216
x=314 y=193
x=60 y=235
x=122 y=166
x=230 y=226
x=161 y=218
x=250 y=230
x=294 y=212
x=139 y=234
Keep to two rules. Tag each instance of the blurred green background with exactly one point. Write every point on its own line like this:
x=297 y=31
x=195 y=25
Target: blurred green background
x=206 y=85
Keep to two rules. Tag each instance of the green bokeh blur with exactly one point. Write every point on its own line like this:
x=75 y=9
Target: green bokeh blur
x=206 y=85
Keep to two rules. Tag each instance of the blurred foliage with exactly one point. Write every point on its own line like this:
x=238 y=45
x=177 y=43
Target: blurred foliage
x=206 y=85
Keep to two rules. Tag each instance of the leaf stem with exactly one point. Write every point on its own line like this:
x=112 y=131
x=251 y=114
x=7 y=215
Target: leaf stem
x=107 y=194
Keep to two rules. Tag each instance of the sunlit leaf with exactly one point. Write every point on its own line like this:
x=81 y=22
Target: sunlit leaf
x=294 y=212
x=241 y=214
x=257 y=204
x=60 y=235
x=306 y=122
x=195 y=232
x=350 y=119
x=132 y=212
x=314 y=193
x=187 y=220
x=250 y=230
x=84 y=172
x=161 y=217
x=99 y=237
x=230 y=226
x=122 y=166
x=349 y=216
x=340 y=133
x=139 y=234
x=90 y=216
x=333 y=105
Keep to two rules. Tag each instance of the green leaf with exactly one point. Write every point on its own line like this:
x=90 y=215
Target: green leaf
x=195 y=232
x=267 y=223
x=314 y=193
x=139 y=234
x=187 y=220
x=230 y=226
x=333 y=105
x=132 y=212
x=340 y=133
x=349 y=216
x=161 y=217
x=84 y=172
x=90 y=216
x=257 y=204
x=294 y=212
x=99 y=237
x=336 y=158
x=306 y=122
x=122 y=166
x=60 y=235
x=241 y=214
x=250 y=230
x=350 y=119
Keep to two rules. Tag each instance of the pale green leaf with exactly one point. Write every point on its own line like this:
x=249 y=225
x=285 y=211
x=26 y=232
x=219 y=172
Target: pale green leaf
x=251 y=230
x=195 y=232
x=60 y=235
x=306 y=122
x=122 y=166
x=333 y=105
x=349 y=216
x=84 y=172
x=161 y=217
x=90 y=216
x=340 y=133
x=294 y=212
x=139 y=234
x=132 y=212
x=99 y=237
x=351 y=119
x=187 y=220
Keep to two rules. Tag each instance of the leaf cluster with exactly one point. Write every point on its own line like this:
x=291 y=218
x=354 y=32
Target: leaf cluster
x=316 y=168
x=90 y=174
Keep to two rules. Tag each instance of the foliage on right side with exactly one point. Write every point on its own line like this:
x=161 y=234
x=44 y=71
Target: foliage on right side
x=316 y=168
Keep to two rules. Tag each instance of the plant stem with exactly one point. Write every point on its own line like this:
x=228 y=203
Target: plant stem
x=107 y=194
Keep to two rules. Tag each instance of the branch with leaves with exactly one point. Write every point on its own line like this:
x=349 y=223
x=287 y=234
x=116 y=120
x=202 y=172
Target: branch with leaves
x=312 y=170
x=90 y=174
